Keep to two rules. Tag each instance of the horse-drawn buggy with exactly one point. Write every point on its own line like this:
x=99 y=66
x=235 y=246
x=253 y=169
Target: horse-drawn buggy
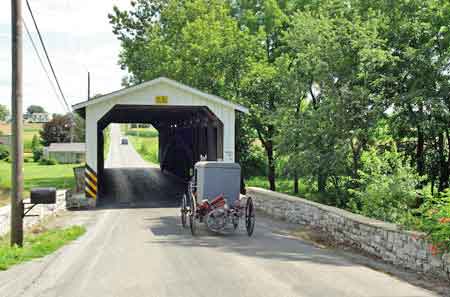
x=213 y=198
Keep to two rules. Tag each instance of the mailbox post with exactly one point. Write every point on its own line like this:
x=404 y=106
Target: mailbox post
x=39 y=196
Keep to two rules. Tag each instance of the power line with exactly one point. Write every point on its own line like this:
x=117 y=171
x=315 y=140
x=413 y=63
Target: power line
x=46 y=54
x=42 y=64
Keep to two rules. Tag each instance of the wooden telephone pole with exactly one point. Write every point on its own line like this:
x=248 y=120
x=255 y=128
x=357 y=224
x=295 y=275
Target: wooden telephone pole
x=17 y=125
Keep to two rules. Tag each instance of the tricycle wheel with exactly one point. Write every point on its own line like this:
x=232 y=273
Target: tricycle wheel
x=184 y=210
x=192 y=212
x=249 y=216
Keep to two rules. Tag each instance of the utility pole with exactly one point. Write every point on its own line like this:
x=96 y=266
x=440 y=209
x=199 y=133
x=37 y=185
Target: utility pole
x=17 y=125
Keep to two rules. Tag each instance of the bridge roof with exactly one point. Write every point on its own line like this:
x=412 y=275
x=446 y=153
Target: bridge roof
x=183 y=87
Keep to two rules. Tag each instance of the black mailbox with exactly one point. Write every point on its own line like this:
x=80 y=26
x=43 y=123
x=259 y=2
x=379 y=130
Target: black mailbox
x=43 y=196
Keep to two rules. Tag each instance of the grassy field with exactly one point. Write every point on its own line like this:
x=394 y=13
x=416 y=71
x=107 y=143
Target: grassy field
x=30 y=129
x=59 y=176
x=145 y=141
x=37 y=245
x=147 y=147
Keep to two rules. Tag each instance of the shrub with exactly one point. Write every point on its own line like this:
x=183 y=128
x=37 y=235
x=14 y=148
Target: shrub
x=4 y=152
x=435 y=221
x=254 y=162
x=387 y=187
x=44 y=161
x=37 y=153
x=35 y=142
x=144 y=133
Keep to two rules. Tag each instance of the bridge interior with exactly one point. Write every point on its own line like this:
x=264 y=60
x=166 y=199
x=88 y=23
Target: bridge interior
x=185 y=134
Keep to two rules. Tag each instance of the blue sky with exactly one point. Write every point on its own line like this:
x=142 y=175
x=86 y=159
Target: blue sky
x=78 y=38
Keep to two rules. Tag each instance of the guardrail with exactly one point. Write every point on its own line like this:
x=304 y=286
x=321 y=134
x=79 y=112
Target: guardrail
x=386 y=241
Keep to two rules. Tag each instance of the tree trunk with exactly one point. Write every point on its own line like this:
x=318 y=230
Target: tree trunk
x=432 y=185
x=295 y=182
x=420 y=151
x=443 y=165
x=321 y=182
x=271 y=165
x=356 y=152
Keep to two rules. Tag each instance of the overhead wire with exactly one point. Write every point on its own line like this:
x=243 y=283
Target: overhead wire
x=70 y=112
x=43 y=65
x=47 y=55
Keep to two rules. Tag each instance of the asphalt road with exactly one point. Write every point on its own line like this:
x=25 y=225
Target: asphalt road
x=145 y=252
x=130 y=179
x=123 y=156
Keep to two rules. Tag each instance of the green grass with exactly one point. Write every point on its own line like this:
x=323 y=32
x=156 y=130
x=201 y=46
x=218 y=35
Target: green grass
x=145 y=141
x=286 y=186
x=283 y=185
x=35 y=175
x=147 y=147
x=29 y=130
x=37 y=245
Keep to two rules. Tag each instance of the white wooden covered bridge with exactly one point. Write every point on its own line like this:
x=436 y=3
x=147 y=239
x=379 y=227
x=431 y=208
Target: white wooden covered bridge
x=190 y=123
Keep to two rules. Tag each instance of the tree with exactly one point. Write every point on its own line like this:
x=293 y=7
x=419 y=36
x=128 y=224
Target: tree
x=4 y=112
x=216 y=46
x=34 y=109
x=335 y=58
x=79 y=129
x=57 y=130
x=418 y=83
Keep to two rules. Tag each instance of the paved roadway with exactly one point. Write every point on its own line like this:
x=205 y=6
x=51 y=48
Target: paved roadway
x=123 y=156
x=144 y=251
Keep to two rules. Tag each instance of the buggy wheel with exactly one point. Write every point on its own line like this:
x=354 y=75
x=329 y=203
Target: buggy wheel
x=184 y=210
x=249 y=216
x=192 y=213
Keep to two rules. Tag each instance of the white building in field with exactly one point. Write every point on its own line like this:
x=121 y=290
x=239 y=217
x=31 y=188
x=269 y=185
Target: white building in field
x=39 y=117
x=66 y=153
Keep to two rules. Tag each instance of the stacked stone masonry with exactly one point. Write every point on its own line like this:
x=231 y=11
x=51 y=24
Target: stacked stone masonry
x=39 y=212
x=387 y=241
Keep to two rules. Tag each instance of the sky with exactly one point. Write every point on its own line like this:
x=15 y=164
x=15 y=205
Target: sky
x=78 y=38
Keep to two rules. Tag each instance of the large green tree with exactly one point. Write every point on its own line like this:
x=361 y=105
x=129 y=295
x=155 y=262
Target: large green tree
x=34 y=109
x=335 y=56
x=63 y=128
x=201 y=43
x=417 y=34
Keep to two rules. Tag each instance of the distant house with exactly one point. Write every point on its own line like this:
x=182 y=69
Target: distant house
x=39 y=117
x=65 y=153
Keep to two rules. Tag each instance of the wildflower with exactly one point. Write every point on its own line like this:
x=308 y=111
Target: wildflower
x=444 y=220
x=434 y=250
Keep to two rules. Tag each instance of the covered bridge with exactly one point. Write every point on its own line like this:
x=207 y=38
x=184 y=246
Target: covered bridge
x=190 y=123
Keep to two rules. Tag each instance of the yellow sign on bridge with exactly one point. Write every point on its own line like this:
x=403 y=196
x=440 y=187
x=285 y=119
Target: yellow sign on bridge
x=162 y=99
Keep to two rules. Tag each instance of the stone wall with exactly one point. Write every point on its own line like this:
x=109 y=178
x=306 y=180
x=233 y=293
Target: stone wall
x=384 y=240
x=41 y=211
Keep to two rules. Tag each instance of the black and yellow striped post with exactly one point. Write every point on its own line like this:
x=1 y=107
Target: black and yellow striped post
x=90 y=179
